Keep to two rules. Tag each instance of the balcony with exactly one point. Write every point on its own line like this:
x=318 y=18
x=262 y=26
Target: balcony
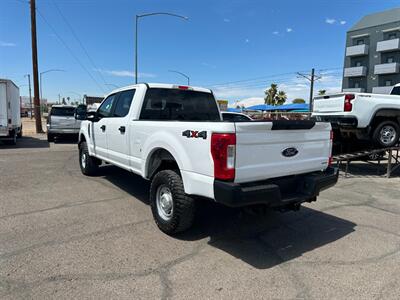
x=354 y=90
x=389 y=45
x=388 y=68
x=357 y=50
x=382 y=89
x=355 y=71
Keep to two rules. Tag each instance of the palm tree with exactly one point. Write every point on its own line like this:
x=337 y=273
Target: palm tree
x=270 y=94
x=321 y=92
x=298 y=100
x=280 y=98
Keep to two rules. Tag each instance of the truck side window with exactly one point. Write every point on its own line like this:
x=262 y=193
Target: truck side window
x=106 y=107
x=123 y=103
x=396 y=91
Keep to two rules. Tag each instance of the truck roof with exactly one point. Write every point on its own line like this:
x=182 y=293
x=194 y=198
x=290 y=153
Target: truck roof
x=160 y=85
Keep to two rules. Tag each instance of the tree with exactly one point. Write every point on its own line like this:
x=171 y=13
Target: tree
x=270 y=94
x=321 y=92
x=298 y=101
x=280 y=98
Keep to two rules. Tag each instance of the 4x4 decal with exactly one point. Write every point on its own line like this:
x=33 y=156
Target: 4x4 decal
x=195 y=134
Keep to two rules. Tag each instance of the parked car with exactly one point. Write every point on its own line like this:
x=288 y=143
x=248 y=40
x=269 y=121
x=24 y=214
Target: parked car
x=174 y=136
x=372 y=118
x=10 y=112
x=61 y=121
x=235 y=117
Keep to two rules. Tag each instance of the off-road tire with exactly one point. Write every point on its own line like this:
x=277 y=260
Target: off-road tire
x=90 y=166
x=376 y=136
x=183 y=205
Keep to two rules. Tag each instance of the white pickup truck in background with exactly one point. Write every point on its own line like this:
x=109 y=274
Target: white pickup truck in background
x=174 y=136
x=374 y=118
x=10 y=112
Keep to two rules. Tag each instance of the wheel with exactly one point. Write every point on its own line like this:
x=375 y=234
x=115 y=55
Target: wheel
x=386 y=134
x=50 y=137
x=12 y=141
x=87 y=163
x=19 y=135
x=172 y=209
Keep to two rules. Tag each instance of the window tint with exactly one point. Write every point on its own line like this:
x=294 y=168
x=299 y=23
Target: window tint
x=105 y=108
x=63 y=111
x=124 y=103
x=179 y=105
x=396 y=91
x=235 y=117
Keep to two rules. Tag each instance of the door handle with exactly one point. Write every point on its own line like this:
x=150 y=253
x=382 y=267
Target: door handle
x=122 y=129
x=103 y=128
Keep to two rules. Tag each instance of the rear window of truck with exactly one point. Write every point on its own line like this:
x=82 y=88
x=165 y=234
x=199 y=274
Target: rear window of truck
x=63 y=111
x=179 y=105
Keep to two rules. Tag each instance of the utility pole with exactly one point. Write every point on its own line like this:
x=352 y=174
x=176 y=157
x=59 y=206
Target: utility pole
x=312 y=78
x=30 y=93
x=36 y=99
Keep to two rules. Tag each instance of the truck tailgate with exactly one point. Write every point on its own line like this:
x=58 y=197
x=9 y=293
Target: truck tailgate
x=272 y=149
x=329 y=103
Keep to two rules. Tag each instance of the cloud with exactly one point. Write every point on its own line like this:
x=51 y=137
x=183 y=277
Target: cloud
x=247 y=102
x=343 y=22
x=226 y=20
x=124 y=73
x=330 y=21
x=289 y=30
x=7 y=44
x=275 y=33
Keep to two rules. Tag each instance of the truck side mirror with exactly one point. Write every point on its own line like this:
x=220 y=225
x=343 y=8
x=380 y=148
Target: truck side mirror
x=81 y=112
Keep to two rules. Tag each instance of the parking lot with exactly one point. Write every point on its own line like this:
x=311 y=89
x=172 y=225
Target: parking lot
x=64 y=235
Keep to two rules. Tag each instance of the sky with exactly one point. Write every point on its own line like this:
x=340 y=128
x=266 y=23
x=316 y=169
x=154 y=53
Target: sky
x=235 y=47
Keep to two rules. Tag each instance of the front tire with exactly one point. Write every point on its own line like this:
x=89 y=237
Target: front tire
x=386 y=134
x=172 y=209
x=50 y=137
x=87 y=163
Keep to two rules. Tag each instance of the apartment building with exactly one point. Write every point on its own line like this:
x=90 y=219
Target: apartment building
x=372 y=56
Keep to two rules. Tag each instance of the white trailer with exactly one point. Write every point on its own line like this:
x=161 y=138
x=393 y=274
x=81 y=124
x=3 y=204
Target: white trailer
x=10 y=112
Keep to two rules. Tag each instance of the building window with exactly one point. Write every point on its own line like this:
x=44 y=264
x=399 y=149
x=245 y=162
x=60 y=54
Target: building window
x=356 y=85
x=392 y=36
x=360 y=42
x=388 y=82
x=358 y=64
x=390 y=60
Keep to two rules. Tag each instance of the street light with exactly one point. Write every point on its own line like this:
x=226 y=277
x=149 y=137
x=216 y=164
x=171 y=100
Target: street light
x=41 y=73
x=183 y=74
x=136 y=34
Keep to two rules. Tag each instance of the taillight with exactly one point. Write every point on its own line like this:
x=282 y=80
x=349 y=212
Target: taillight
x=223 y=151
x=348 y=106
x=330 y=159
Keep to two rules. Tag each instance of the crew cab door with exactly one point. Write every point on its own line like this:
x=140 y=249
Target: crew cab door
x=117 y=130
x=100 y=127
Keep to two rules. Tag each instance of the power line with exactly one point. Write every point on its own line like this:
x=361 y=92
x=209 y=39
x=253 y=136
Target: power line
x=79 y=41
x=69 y=50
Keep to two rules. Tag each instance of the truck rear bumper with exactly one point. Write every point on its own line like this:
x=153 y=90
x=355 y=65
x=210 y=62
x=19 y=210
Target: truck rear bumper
x=339 y=121
x=277 y=192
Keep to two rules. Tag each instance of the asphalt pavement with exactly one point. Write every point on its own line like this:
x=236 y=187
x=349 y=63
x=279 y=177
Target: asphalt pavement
x=64 y=235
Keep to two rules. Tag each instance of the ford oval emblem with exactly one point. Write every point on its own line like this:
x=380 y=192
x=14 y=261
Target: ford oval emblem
x=290 y=152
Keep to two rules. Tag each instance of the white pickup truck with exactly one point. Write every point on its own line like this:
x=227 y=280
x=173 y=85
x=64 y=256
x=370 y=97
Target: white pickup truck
x=367 y=117
x=174 y=136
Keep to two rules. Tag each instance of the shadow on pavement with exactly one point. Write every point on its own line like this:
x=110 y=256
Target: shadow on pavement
x=27 y=142
x=261 y=239
x=368 y=169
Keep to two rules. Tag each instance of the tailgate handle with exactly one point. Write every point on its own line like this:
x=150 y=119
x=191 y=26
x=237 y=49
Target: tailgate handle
x=122 y=129
x=103 y=128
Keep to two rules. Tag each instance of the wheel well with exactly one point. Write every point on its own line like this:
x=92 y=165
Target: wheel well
x=159 y=160
x=385 y=115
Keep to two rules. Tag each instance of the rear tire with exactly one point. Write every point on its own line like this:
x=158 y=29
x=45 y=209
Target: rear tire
x=19 y=135
x=87 y=163
x=50 y=137
x=386 y=134
x=172 y=209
